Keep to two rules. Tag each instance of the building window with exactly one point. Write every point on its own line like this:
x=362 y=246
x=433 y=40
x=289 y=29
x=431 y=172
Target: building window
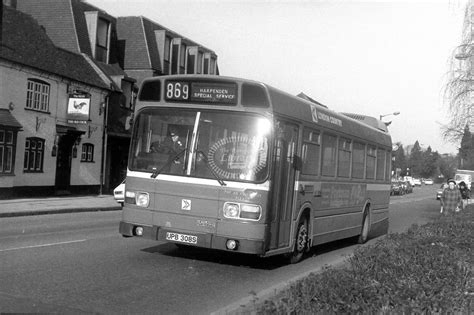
x=182 y=58
x=167 y=48
x=199 y=63
x=7 y=151
x=37 y=95
x=87 y=152
x=213 y=66
x=190 y=61
x=175 y=58
x=34 y=153
x=205 y=66
x=102 y=42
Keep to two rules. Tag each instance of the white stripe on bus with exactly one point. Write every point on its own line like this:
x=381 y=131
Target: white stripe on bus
x=201 y=181
x=370 y=186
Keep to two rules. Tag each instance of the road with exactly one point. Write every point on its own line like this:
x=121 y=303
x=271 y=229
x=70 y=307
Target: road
x=78 y=263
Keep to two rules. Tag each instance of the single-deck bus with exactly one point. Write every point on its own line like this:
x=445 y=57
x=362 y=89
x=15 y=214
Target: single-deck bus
x=237 y=165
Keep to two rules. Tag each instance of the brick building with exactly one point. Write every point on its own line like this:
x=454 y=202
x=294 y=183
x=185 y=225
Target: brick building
x=97 y=58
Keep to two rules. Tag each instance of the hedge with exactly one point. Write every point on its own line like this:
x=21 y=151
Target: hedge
x=427 y=270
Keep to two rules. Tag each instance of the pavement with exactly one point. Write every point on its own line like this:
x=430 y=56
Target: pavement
x=53 y=205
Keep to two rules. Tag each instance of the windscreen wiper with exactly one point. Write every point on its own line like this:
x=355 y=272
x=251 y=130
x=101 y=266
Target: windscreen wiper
x=174 y=158
x=216 y=176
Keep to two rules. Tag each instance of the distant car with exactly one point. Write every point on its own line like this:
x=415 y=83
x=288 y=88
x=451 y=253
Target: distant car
x=439 y=192
x=410 y=180
x=397 y=188
x=417 y=181
x=119 y=193
x=408 y=187
x=428 y=181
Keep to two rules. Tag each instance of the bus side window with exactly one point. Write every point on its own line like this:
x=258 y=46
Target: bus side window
x=380 y=164
x=311 y=152
x=371 y=157
x=358 y=160
x=344 y=158
x=329 y=155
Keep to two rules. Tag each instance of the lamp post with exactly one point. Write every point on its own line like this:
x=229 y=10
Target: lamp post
x=394 y=114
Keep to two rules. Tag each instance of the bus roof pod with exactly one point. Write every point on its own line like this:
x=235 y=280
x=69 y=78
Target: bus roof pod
x=306 y=97
x=368 y=120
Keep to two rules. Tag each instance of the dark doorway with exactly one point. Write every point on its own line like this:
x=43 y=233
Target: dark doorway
x=117 y=157
x=63 y=163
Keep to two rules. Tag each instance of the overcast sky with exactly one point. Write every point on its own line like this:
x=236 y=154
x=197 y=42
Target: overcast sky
x=369 y=57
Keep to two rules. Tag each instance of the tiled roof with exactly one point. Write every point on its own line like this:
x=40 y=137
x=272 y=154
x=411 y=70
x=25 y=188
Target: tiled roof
x=56 y=16
x=25 y=42
x=111 y=70
x=7 y=119
x=141 y=48
x=136 y=56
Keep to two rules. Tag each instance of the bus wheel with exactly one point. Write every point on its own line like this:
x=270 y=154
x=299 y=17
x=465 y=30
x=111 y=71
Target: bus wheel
x=301 y=241
x=364 y=233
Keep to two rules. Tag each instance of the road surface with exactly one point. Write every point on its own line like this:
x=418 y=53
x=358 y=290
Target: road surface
x=78 y=263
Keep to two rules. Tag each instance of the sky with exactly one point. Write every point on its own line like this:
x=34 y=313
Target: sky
x=372 y=57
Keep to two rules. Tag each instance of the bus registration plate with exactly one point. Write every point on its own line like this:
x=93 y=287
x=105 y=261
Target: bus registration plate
x=184 y=238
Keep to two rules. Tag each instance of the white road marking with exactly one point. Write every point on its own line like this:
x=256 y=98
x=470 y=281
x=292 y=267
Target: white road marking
x=43 y=245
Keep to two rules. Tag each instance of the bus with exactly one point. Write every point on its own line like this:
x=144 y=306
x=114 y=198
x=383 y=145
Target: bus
x=251 y=169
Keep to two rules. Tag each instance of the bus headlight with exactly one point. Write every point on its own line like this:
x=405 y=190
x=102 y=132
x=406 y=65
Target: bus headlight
x=130 y=197
x=142 y=199
x=251 y=212
x=231 y=210
x=243 y=211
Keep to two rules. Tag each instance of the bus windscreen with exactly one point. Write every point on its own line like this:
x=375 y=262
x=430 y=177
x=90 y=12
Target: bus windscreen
x=203 y=144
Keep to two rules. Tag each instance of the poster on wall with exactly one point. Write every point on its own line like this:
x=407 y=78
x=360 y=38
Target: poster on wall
x=78 y=108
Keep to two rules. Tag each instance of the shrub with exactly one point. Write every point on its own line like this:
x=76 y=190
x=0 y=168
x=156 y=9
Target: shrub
x=428 y=269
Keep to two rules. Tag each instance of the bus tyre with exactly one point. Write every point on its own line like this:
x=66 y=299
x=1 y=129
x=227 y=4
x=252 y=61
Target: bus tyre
x=364 y=233
x=301 y=241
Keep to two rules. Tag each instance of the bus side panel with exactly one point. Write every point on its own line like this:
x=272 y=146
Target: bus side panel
x=337 y=209
x=331 y=228
x=379 y=223
x=379 y=195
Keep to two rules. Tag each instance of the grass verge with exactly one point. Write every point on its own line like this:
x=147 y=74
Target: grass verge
x=427 y=270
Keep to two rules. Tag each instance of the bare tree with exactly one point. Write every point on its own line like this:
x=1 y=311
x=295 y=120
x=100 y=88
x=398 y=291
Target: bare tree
x=459 y=90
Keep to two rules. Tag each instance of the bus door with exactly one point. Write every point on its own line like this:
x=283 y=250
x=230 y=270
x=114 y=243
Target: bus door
x=283 y=178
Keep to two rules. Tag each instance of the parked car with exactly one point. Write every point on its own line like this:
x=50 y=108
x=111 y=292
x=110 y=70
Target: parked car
x=119 y=193
x=408 y=187
x=410 y=180
x=428 y=181
x=417 y=181
x=397 y=188
x=439 y=192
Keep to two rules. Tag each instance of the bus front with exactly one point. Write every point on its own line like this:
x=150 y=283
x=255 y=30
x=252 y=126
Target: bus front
x=198 y=166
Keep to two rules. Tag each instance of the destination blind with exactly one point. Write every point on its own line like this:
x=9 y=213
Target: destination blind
x=201 y=92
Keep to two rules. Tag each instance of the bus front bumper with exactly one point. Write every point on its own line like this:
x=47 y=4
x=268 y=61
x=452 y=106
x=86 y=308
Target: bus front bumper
x=204 y=240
